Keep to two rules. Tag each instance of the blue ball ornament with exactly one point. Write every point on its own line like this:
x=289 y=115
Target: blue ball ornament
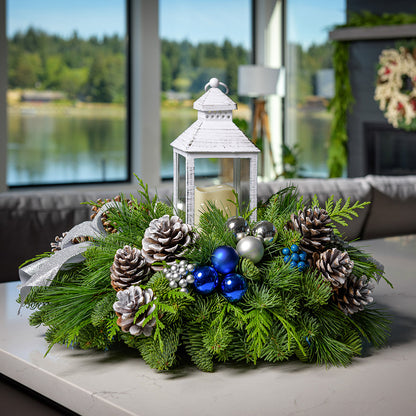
x=285 y=251
x=286 y=259
x=303 y=256
x=205 y=279
x=224 y=259
x=294 y=248
x=233 y=287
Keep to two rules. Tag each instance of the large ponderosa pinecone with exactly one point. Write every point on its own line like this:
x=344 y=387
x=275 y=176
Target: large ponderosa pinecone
x=335 y=266
x=354 y=294
x=129 y=302
x=165 y=240
x=312 y=223
x=129 y=267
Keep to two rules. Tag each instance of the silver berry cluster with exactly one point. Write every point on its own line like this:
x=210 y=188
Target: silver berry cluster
x=180 y=274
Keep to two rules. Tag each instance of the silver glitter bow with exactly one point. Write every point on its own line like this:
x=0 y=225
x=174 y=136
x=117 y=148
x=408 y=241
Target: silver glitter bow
x=43 y=271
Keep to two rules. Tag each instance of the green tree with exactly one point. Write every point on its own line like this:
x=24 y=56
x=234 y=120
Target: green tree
x=27 y=71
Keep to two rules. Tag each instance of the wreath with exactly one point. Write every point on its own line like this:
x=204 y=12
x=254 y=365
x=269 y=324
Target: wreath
x=396 y=87
x=286 y=286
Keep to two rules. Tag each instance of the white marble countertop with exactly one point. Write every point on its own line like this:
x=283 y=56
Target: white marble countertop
x=98 y=383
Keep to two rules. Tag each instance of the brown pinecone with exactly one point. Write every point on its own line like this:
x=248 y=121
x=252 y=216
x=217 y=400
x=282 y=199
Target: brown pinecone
x=129 y=267
x=312 y=223
x=354 y=294
x=128 y=303
x=335 y=265
x=165 y=240
x=108 y=226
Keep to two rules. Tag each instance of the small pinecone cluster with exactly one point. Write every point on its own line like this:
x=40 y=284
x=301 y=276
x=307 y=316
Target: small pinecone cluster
x=129 y=268
x=349 y=292
x=56 y=245
x=165 y=240
x=128 y=303
x=109 y=227
x=312 y=223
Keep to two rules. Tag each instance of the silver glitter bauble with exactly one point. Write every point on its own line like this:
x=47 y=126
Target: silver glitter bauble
x=264 y=230
x=251 y=248
x=238 y=226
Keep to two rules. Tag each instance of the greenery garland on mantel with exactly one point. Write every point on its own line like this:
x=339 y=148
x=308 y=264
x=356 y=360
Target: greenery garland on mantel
x=343 y=98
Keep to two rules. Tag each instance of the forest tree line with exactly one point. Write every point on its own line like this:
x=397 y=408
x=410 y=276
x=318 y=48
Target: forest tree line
x=94 y=69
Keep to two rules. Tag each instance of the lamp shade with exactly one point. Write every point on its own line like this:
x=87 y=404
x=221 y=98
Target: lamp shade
x=257 y=80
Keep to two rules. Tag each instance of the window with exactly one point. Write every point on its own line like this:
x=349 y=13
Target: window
x=200 y=40
x=67 y=83
x=310 y=82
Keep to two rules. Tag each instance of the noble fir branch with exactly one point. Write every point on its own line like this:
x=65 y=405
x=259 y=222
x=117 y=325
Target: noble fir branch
x=277 y=348
x=314 y=290
x=103 y=310
x=338 y=212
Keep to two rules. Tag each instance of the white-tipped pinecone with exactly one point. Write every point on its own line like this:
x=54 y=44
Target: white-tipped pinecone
x=129 y=267
x=335 y=265
x=354 y=295
x=129 y=302
x=312 y=224
x=165 y=240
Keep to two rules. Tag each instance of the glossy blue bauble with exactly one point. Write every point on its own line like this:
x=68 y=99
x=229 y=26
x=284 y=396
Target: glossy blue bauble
x=206 y=279
x=286 y=259
x=294 y=248
x=293 y=264
x=224 y=259
x=285 y=251
x=303 y=256
x=233 y=287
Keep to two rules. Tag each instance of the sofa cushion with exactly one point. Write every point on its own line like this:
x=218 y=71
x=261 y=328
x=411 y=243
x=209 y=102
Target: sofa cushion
x=394 y=206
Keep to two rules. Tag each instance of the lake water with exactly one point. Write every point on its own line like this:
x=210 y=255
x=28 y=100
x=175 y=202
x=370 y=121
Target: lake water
x=56 y=148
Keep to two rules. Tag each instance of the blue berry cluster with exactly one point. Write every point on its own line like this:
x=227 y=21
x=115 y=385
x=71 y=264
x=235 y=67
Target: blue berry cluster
x=295 y=258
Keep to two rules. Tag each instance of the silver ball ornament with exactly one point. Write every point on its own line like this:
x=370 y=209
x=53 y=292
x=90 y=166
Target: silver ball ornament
x=190 y=267
x=251 y=248
x=182 y=283
x=190 y=278
x=184 y=290
x=264 y=230
x=238 y=226
x=173 y=284
x=183 y=263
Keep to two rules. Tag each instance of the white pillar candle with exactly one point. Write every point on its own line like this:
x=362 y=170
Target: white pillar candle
x=220 y=195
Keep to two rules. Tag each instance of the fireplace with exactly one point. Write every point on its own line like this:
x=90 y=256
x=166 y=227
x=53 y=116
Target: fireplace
x=389 y=151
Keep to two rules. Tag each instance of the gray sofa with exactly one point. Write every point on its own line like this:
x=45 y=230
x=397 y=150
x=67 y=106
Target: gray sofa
x=30 y=220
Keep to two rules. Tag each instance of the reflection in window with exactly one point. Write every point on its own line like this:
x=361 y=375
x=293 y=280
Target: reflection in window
x=199 y=42
x=66 y=92
x=310 y=83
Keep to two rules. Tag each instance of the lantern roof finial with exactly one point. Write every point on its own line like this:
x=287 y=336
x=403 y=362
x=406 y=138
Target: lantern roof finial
x=214 y=99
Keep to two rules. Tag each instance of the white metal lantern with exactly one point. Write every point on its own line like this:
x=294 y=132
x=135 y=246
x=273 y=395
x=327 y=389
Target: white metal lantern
x=213 y=135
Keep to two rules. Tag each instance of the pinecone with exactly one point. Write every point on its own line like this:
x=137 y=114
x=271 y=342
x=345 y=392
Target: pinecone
x=109 y=227
x=312 y=224
x=164 y=240
x=129 y=302
x=335 y=266
x=129 y=268
x=354 y=294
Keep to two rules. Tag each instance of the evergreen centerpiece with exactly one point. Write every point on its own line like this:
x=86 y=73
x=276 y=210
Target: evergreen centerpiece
x=271 y=310
x=273 y=282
